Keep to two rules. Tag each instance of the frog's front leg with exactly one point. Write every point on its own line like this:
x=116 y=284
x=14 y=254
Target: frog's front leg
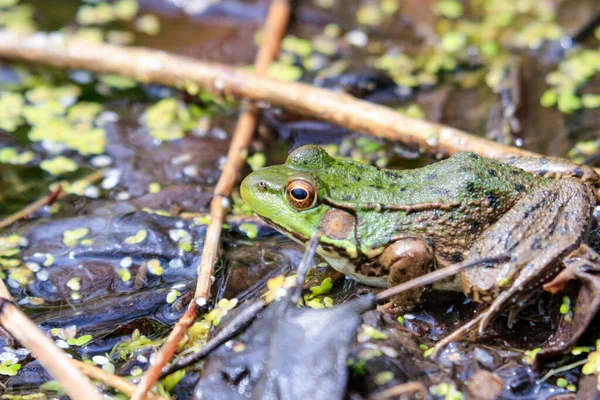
x=407 y=258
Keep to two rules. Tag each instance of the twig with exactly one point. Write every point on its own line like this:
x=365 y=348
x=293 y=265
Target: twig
x=562 y=369
x=240 y=321
x=44 y=201
x=275 y=26
x=53 y=359
x=30 y=209
x=438 y=275
x=233 y=220
x=160 y=67
x=399 y=390
x=111 y=380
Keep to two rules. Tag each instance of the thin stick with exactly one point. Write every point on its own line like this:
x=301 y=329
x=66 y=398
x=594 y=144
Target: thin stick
x=398 y=390
x=457 y=334
x=234 y=220
x=160 y=67
x=53 y=359
x=564 y=368
x=44 y=201
x=239 y=322
x=438 y=275
x=111 y=380
x=275 y=26
x=30 y=209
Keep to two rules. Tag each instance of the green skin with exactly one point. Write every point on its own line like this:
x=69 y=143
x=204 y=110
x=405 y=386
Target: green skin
x=451 y=208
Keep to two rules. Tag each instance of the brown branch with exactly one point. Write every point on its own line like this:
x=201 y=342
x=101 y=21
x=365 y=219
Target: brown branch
x=398 y=391
x=111 y=380
x=438 y=275
x=44 y=201
x=275 y=26
x=233 y=220
x=53 y=359
x=160 y=67
x=30 y=209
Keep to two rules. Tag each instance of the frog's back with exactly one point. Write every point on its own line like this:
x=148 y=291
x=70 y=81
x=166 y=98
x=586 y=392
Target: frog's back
x=456 y=200
x=469 y=177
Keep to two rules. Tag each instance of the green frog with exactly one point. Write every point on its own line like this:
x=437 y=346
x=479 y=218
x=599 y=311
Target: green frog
x=384 y=227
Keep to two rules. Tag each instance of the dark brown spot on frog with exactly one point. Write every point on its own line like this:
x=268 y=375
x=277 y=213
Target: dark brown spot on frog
x=348 y=197
x=465 y=168
x=578 y=172
x=471 y=188
x=492 y=200
x=475 y=156
x=431 y=177
x=519 y=187
x=492 y=172
x=370 y=268
x=515 y=173
x=441 y=192
x=457 y=257
x=337 y=224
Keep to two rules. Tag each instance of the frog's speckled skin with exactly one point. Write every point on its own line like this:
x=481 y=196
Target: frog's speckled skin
x=459 y=198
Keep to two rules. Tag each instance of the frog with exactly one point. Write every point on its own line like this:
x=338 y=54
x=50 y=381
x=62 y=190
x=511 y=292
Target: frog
x=382 y=227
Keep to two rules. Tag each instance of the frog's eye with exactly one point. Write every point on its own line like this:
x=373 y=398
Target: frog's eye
x=301 y=194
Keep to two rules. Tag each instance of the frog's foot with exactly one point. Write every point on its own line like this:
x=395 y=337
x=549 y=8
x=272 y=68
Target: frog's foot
x=407 y=259
x=538 y=232
x=584 y=265
x=582 y=258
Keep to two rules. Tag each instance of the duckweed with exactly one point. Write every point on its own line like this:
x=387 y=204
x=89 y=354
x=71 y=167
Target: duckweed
x=72 y=237
x=368 y=332
x=384 y=377
x=10 y=155
x=9 y=368
x=74 y=283
x=447 y=390
x=80 y=341
x=11 y=108
x=250 y=230
x=172 y=296
x=170 y=119
x=284 y=72
x=155 y=268
x=139 y=237
x=148 y=24
x=277 y=287
x=59 y=165
x=124 y=274
x=221 y=309
x=531 y=354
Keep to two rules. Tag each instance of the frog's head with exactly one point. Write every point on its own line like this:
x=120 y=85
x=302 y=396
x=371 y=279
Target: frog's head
x=290 y=197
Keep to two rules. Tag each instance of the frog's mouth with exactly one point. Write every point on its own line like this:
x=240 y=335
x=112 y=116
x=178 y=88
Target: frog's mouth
x=292 y=235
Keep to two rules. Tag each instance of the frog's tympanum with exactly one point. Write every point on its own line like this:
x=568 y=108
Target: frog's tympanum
x=383 y=227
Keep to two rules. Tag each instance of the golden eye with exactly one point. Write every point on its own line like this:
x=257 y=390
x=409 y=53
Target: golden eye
x=301 y=194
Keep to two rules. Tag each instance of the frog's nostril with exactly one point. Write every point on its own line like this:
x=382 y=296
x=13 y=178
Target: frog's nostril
x=262 y=186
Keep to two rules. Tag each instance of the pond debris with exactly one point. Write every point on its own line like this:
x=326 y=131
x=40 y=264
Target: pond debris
x=275 y=25
x=50 y=356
